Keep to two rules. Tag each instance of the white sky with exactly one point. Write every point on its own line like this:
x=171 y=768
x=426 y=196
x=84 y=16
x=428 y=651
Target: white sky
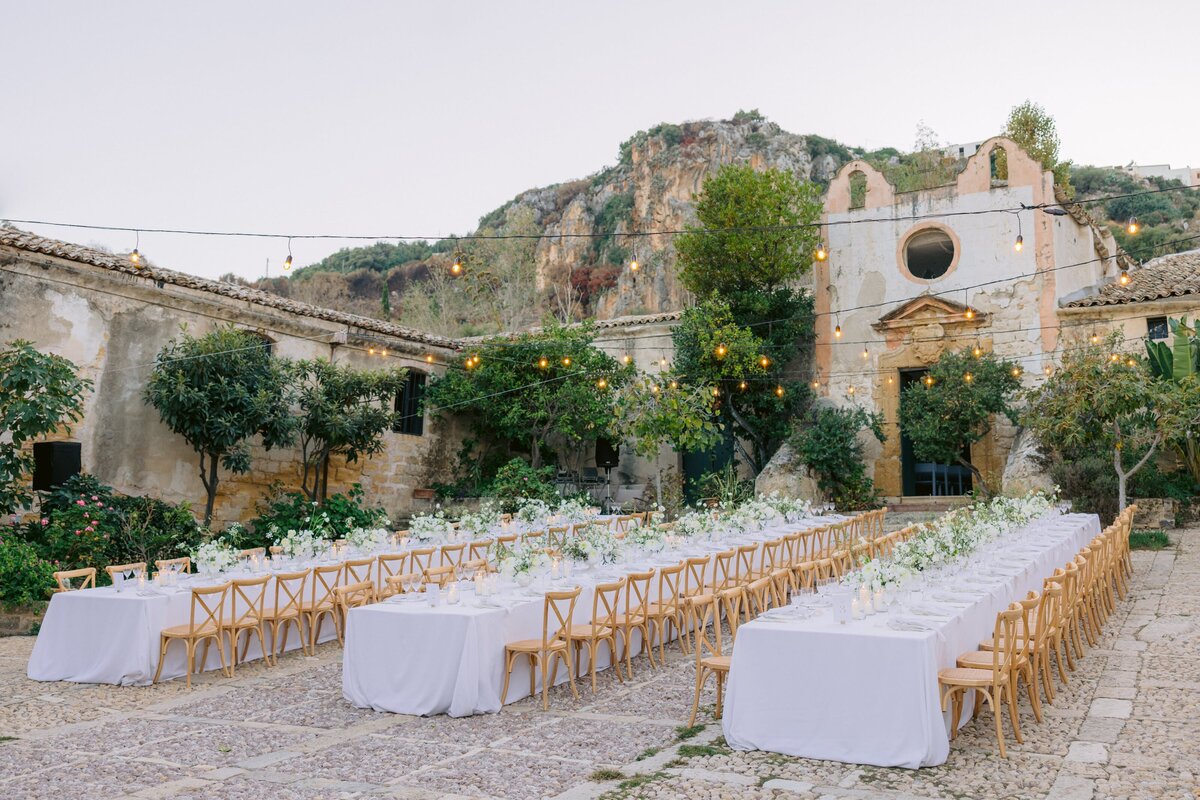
x=417 y=118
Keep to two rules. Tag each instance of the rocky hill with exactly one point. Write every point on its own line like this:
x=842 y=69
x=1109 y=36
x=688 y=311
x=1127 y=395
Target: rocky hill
x=650 y=188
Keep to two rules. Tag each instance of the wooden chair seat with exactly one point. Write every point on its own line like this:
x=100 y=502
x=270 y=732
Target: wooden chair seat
x=966 y=676
x=185 y=631
x=717 y=663
x=982 y=659
x=588 y=630
x=534 y=645
x=623 y=618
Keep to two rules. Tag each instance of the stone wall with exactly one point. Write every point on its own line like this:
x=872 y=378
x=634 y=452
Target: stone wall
x=111 y=325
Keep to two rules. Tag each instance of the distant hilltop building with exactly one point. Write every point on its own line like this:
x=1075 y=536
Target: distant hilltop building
x=1188 y=176
x=961 y=150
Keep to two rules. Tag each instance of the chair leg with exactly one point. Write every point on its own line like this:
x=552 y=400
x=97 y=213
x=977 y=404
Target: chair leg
x=1031 y=683
x=542 y=659
x=221 y=652
x=696 y=701
x=612 y=649
x=720 y=694
x=571 y=678
x=163 y=641
x=995 y=706
x=1012 y=708
x=508 y=665
x=191 y=659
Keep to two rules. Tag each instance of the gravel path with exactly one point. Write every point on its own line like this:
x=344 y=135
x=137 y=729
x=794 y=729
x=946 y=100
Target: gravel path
x=1127 y=726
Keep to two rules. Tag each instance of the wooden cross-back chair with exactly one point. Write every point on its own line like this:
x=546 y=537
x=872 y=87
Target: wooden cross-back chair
x=247 y=601
x=995 y=685
x=602 y=629
x=546 y=653
x=183 y=564
x=321 y=601
x=667 y=612
x=350 y=596
x=635 y=617
x=289 y=600
x=421 y=559
x=63 y=579
x=453 y=554
x=389 y=564
x=204 y=625
x=712 y=659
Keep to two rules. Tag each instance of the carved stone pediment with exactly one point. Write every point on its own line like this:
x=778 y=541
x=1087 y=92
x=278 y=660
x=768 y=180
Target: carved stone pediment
x=925 y=322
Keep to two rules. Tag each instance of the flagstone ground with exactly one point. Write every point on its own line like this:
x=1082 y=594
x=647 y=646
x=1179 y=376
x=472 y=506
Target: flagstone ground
x=1126 y=727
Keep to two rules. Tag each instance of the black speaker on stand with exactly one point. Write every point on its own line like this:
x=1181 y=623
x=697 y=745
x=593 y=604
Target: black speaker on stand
x=54 y=463
x=608 y=455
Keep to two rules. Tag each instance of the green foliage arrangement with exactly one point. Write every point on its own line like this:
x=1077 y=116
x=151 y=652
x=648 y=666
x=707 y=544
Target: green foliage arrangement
x=532 y=389
x=25 y=577
x=517 y=481
x=1101 y=402
x=344 y=411
x=38 y=393
x=338 y=515
x=218 y=391
x=829 y=444
x=945 y=417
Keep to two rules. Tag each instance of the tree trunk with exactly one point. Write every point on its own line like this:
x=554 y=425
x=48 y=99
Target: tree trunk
x=324 y=479
x=1122 y=475
x=750 y=460
x=987 y=490
x=535 y=452
x=208 y=477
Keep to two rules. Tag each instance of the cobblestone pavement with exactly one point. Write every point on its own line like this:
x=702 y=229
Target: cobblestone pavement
x=1127 y=726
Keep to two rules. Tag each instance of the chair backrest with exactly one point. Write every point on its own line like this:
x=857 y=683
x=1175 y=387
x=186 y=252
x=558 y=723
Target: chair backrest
x=389 y=564
x=695 y=570
x=806 y=575
x=247 y=600
x=504 y=542
x=276 y=550
x=452 y=554
x=781 y=583
x=769 y=558
x=731 y=605
x=289 y=592
x=183 y=564
x=473 y=566
x=354 y=595
x=136 y=568
x=1047 y=613
x=743 y=568
x=705 y=611
x=420 y=558
x=637 y=593
x=252 y=551
x=325 y=579
x=670 y=585
x=1004 y=641
x=561 y=607
x=556 y=537
x=359 y=570
x=759 y=595
x=441 y=575
x=605 y=599
x=64 y=578
x=535 y=538
x=208 y=605
x=808 y=544
x=481 y=549
x=403 y=583
x=724 y=570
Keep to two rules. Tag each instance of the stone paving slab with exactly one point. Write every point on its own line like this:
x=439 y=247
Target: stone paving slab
x=1125 y=726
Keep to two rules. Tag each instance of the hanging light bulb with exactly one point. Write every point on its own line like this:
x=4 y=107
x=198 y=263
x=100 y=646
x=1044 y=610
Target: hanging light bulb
x=816 y=384
x=850 y=390
x=383 y=353
x=929 y=380
x=969 y=313
x=742 y=385
x=822 y=253
x=779 y=391
x=721 y=350
x=566 y=362
x=429 y=359
x=837 y=331
x=662 y=362
x=968 y=377
x=287 y=262
x=1114 y=358
x=716 y=392
x=1132 y=227
x=1016 y=372
x=654 y=388
x=1048 y=369
x=628 y=359
x=1095 y=338
x=764 y=362
x=1124 y=279
x=543 y=362
x=977 y=351
x=370 y=351
x=600 y=384
x=1132 y=362
x=865 y=354
x=1019 y=245
x=457 y=267
x=135 y=256
x=890 y=380
x=674 y=384
x=633 y=264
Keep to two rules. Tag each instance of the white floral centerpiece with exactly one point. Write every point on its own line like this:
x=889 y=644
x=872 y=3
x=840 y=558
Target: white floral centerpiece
x=299 y=544
x=575 y=510
x=647 y=538
x=214 y=556
x=433 y=527
x=879 y=573
x=480 y=523
x=696 y=525
x=791 y=509
x=534 y=512
x=521 y=562
x=368 y=539
x=592 y=544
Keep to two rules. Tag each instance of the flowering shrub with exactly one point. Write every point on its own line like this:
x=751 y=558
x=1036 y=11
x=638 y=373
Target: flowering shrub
x=516 y=481
x=25 y=577
x=535 y=513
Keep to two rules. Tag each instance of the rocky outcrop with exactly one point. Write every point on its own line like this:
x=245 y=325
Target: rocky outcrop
x=788 y=476
x=1022 y=471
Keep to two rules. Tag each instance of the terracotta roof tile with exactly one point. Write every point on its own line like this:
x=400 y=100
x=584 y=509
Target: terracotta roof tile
x=1176 y=275
x=29 y=242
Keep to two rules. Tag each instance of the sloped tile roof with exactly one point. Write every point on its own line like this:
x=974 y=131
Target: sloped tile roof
x=1176 y=275
x=32 y=243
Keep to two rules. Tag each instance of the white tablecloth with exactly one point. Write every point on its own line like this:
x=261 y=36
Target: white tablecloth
x=862 y=692
x=411 y=658
x=104 y=636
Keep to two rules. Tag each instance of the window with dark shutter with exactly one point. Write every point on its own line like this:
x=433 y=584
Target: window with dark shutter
x=1156 y=327
x=408 y=405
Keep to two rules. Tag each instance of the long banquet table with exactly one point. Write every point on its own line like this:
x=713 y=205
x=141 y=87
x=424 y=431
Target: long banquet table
x=408 y=657
x=864 y=693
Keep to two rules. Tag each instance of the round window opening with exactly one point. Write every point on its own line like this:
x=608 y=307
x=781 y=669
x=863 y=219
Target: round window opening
x=928 y=254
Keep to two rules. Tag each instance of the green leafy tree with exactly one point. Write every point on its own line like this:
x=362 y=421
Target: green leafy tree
x=943 y=418
x=532 y=389
x=756 y=230
x=1035 y=131
x=652 y=413
x=344 y=411
x=829 y=444
x=1102 y=401
x=218 y=391
x=517 y=481
x=1179 y=364
x=38 y=393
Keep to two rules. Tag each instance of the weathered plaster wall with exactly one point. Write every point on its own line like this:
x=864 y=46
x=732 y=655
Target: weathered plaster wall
x=112 y=325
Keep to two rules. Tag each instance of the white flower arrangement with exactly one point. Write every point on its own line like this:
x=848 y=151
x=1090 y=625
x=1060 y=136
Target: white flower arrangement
x=522 y=559
x=434 y=527
x=647 y=538
x=300 y=544
x=367 y=539
x=696 y=525
x=478 y=524
x=214 y=556
x=791 y=509
x=575 y=510
x=534 y=512
x=594 y=543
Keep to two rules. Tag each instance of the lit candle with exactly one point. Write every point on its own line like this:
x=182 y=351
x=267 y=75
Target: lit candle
x=452 y=594
x=878 y=601
x=554 y=569
x=856 y=610
x=480 y=585
x=141 y=579
x=864 y=598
